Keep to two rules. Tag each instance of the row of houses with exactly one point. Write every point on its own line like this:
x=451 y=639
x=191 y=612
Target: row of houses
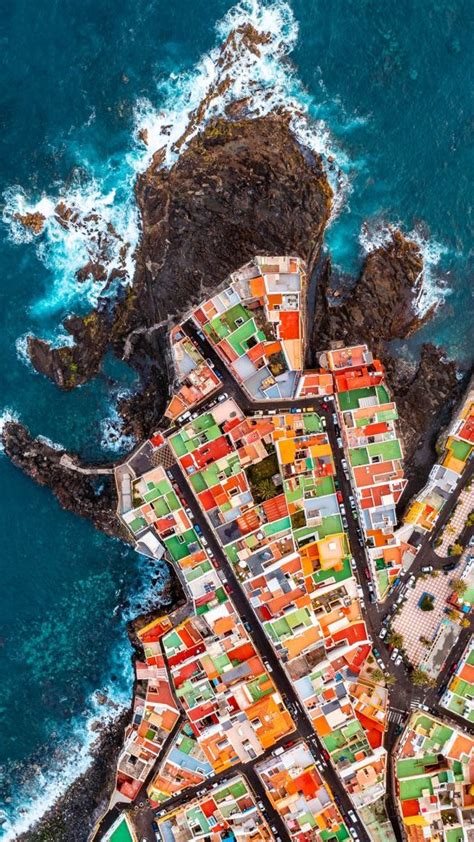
x=367 y=416
x=227 y=812
x=434 y=773
x=215 y=677
x=426 y=507
x=459 y=695
x=195 y=378
x=304 y=802
x=256 y=325
x=267 y=487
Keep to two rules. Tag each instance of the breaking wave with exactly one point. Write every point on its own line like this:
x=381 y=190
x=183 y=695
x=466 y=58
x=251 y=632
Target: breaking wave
x=74 y=753
x=92 y=227
x=6 y=416
x=434 y=288
x=255 y=74
x=72 y=759
x=113 y=439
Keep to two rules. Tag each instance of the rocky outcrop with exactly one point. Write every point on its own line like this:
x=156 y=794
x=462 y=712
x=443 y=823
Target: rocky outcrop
x=383 y=303
x=33 y=221
x=73 y=816
x=72 y=365
x=87 y=491
x=240 y=188
x=426 y=394
x=380 y=307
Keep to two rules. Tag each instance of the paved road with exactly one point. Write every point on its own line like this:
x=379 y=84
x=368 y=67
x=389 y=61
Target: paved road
x=262 y=644
x=403 y=694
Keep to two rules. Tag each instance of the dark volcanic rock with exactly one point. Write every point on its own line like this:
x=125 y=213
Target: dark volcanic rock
x=381 y=306
x=426 y=394
x=73 y=817
x=240 y=189
x=70 y=366
x=91 y=494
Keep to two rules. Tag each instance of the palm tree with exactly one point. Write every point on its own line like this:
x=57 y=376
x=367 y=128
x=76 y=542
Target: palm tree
x=395 y=639
x=458 y=585
x=421 y=679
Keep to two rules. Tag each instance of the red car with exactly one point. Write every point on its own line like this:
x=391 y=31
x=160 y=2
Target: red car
x=340 y=498
x=325 y=754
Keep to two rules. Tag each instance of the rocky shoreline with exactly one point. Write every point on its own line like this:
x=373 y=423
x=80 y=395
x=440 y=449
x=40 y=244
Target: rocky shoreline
x=241 y=187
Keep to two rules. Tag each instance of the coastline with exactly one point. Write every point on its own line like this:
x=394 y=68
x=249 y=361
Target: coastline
x=74 y=814
x=65 y=821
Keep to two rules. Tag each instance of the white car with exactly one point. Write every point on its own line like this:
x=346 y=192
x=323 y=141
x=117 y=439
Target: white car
x=398 y=660
x=394 y=654
x=353 y=564
x=383 y=634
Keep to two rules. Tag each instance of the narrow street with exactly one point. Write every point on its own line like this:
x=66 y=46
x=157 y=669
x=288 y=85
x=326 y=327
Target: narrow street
x=403 y=694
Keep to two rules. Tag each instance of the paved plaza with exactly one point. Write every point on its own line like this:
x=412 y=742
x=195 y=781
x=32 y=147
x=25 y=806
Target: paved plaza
x=457 y=521
x=414 y=623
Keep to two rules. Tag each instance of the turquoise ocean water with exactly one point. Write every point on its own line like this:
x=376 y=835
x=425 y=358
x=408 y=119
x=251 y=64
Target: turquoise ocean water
x=386 y=90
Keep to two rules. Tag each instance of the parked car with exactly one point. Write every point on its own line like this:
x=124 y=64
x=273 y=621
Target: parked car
x=340 y=498
x=411 y=581
x=398 y=660
x=334 y=418
x=353 y=563
x=394 y=654
x=325 y=754
x=352 y=816
x=367 y=572
x=345 y=523
x=342 y=509
x=383 y=634
x=223 y=397
x=451 y=566
x=427 y=569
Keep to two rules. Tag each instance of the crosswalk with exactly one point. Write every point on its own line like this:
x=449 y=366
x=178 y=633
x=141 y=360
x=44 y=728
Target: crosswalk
x=397 y=716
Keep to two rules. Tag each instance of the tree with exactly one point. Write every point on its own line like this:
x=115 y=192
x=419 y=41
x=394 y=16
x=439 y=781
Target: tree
x=390 y=679
x=453 y=615
x=455 y=549
x=264 y=489
x=465 y=623
x=470 y=519
x=421 y=679
x=395 y=639
x=458 y=585
x=377 y=675
x=426 y=604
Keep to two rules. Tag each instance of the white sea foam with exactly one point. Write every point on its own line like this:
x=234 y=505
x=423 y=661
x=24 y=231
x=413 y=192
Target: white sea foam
x=261 y=76
x=44 y=790
x=6 y=416
x=433 y=288
x=99 y=216
x=113 y=439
